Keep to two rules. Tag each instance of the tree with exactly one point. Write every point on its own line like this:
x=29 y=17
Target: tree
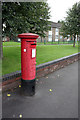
x=25 y=17
x=0 y=32
x=71 y=25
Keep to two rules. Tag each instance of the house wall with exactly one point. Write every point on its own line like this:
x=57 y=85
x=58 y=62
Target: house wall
x=55 y=36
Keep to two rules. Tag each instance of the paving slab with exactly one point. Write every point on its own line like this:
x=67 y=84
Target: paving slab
x=56 y=97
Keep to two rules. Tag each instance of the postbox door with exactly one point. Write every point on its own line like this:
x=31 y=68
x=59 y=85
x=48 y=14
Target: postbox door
x=33 y=60
x=30 y=63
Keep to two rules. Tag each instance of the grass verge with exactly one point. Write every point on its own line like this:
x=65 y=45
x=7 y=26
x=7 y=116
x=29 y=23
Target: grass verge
x=12 y=55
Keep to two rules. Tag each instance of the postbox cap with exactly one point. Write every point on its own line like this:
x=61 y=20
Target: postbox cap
x=28 y=36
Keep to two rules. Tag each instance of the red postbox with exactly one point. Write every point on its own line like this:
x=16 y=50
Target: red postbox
x=28 y=62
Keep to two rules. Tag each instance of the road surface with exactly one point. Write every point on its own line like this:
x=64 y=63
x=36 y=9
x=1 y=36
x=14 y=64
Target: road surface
x=56 y=97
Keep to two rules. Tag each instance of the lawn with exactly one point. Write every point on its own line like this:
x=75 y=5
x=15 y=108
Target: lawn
x=52 y=52
x=45 y=53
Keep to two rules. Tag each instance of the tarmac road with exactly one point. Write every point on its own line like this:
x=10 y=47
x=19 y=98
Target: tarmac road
x=56 y=97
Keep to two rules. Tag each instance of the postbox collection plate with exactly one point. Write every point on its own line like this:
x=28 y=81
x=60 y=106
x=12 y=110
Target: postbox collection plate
x=33 y=53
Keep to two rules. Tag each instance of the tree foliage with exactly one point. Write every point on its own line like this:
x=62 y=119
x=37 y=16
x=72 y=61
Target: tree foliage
x=24 y=17
x=71 y=25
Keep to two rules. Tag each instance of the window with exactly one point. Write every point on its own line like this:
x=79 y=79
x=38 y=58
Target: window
x=56 y=31
x=50 y=36
x=56 y=37
x=60 y=37
x=50 y=32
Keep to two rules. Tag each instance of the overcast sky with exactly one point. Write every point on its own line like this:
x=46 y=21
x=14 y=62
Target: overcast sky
x=59 y=8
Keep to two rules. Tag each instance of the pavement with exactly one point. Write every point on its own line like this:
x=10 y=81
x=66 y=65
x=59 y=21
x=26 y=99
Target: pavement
x=56 y=97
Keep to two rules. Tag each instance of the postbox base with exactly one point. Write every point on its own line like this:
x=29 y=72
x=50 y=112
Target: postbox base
x=28 y=87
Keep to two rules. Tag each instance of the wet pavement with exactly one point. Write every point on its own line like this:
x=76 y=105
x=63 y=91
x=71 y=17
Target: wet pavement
x=56 y=97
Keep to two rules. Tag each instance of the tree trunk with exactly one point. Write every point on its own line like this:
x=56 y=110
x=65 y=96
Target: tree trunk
x=79 y=42
x=52 y=37
x=41 y=38
x=74 y=40
x=1 y=49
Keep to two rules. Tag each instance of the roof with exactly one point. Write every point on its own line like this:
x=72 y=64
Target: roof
x=55 y=25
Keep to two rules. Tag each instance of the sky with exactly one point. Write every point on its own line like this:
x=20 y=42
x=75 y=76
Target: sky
x=59 y=8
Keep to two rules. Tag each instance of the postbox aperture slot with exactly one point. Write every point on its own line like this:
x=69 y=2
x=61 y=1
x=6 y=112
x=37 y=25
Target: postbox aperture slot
x=33 y=45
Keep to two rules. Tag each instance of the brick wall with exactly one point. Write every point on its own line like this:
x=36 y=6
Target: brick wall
x=12 y=80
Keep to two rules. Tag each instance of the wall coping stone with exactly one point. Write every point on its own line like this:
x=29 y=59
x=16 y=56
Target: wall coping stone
x=55 y=61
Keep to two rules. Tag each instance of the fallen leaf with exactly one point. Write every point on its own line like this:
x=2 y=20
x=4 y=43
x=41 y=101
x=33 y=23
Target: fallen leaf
x=19 y=85
x=8 y=95
x=20 y=116
x=50 y=90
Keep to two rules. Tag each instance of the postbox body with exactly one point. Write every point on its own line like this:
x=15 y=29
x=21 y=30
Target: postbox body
x=28 y=55
x=28 y=59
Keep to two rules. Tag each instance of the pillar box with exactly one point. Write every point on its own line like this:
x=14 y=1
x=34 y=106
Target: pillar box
x=28 y=62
